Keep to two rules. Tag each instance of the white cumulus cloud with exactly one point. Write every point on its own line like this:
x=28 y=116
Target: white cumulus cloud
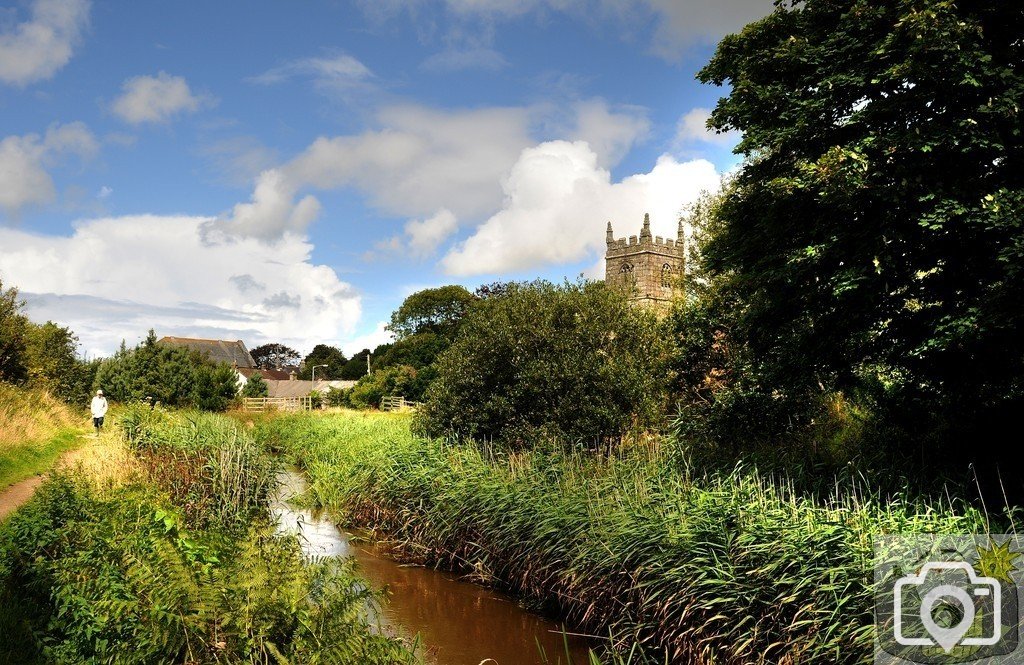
x=371 y=340
x=422 y=160
x=129 y=274
x=693 y=126
x=558 y=200
x=35 y=49
x=155 y=99
x=420 y=238
x=25 y=160
x=271 y=212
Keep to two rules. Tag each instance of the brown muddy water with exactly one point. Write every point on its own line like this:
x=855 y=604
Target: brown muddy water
x=458 y=622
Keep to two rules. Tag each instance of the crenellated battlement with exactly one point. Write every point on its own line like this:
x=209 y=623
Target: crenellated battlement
x=649 y=267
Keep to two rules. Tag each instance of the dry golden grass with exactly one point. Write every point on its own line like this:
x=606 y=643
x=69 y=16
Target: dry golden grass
x=32 y=416
x=104 y=462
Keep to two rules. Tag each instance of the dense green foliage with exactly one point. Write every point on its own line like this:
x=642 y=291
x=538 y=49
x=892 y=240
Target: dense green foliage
x=390 y=381
x=255 y=386
x=872 y=239
x=171 y=375
x=355 y=367
x=41 y=355
x=180 y=564
x=572 y=361
x=723 y=568
x=424 y=326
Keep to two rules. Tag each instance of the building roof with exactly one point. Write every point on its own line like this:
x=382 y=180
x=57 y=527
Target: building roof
x=287 y=388
x=297 y=388
x=220 y=351
x=268 y=374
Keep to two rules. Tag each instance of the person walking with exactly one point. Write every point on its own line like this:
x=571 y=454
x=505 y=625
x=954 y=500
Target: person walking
x=99 y=409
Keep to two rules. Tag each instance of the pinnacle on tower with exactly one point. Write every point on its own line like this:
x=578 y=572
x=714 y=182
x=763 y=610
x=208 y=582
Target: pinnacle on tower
x=609 y=235
x=680 y=234
x=645 y=232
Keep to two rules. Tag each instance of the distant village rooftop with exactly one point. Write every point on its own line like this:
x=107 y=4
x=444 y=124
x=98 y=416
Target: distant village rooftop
x=221 y=351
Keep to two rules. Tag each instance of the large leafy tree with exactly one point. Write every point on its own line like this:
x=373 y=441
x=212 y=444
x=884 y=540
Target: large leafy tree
x=275 y=356
x=876 y=225
x=355 y=367
x=431 y=310
x=171 y=375
x=323 y=354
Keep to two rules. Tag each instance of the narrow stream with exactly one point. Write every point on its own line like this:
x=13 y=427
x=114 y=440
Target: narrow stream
x=459 y=623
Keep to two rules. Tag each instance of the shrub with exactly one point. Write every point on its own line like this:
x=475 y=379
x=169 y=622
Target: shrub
x=372 y=388
x=255 y=386
x=574 y=361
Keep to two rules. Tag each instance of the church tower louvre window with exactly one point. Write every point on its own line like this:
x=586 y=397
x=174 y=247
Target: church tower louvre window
x=646 y=267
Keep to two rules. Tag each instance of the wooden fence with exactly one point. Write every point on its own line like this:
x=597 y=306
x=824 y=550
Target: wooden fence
x=395 y=403
x=277 y=403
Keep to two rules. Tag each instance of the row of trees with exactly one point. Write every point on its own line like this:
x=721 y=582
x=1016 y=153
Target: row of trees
x=45 y=356
x=330 y=362
x=171 y=375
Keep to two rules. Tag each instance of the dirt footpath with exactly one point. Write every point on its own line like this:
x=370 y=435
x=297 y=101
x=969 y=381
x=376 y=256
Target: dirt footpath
x=17 y=494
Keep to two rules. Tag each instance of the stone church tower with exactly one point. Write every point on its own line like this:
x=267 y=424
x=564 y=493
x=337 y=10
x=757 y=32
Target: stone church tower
x=649 y=269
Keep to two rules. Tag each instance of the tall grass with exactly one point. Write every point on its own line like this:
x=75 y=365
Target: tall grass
x=718 y=568
x=208 y=464
x=35 y=428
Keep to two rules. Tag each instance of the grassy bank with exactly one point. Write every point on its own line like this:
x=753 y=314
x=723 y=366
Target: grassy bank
x=36 y=430
x=723 y=568
x=159 y=548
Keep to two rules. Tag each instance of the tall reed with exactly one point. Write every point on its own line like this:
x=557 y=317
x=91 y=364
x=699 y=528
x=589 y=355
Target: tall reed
x=208 y=464
x=716 y=568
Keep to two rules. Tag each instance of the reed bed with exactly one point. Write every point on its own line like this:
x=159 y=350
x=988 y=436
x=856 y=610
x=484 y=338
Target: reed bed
x=208 y=464
x=715 y=568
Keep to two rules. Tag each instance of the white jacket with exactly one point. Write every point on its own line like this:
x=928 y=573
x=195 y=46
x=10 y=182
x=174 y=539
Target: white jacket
x=99 y=406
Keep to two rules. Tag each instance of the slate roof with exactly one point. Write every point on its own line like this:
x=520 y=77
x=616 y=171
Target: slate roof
x=268 y=374
x=217 y=350
x=302 y=388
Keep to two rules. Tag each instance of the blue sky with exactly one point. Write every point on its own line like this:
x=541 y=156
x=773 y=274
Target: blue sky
x=274 y=171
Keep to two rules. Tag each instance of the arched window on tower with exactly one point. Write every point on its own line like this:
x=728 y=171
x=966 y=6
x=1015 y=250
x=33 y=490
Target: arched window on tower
x=626 y=268
x=666 y=276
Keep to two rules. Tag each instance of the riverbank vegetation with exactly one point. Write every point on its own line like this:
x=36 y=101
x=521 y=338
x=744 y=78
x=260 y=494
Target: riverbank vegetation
x=159 y=548
x=702 y=566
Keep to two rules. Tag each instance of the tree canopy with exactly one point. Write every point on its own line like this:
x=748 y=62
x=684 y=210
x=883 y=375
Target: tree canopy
x=42 y=355
x=431 y=310
x=275 y=356
x=323 y=354
x=876 y=224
